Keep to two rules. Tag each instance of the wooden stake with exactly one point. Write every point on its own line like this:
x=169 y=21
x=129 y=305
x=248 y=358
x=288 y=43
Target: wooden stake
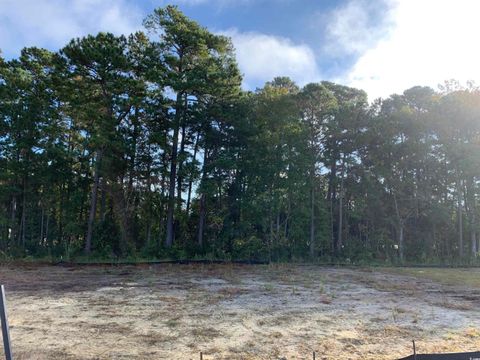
x=414 y=350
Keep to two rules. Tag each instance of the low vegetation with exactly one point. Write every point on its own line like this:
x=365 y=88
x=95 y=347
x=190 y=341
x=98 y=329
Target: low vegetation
x=237 y=312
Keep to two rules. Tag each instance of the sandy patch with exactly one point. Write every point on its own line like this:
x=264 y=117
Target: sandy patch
x=234 y=312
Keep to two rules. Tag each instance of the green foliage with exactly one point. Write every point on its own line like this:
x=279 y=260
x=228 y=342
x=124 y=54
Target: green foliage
x=146 y=147
x=252 y=248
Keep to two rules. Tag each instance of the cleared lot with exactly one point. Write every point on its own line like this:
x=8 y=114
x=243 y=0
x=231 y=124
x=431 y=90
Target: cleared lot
x=239 y=312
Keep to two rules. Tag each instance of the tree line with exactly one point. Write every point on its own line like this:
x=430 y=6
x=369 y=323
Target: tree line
x=147 y=146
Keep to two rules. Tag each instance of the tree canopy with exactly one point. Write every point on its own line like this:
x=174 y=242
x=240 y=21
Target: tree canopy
x=146 y=146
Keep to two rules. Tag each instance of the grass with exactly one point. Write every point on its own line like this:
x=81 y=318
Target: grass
x=268 y=287
x=461 y=276
x=237 y=312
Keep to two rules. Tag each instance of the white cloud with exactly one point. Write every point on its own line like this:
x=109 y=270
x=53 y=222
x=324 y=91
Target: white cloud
x=261 y=57
x=355 y=27
x=52 y=23
x=200 y=2
x=221 y=3
x=431 y=41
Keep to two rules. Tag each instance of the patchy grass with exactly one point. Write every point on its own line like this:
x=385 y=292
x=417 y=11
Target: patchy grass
x=238 y=312
x=469 y=277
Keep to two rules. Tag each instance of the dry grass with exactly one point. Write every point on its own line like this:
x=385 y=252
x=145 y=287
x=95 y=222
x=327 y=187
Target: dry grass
x=469 y=277
x=238 y=312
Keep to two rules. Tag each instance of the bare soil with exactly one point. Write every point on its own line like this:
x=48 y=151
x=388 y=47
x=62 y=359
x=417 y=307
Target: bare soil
x=237 y=312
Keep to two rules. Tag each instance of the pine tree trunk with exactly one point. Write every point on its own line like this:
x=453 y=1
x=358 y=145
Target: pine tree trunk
x=46 y=228
x=201 y=220
x=173 y=174
x=277 y=230
x=400 y=229
x=149 y=201
x=287 y=218
x=162 y=218
x=331 y=197
x=312 y=222
x=401 y=242
x=473 y=229
x=93 y=203
x=460 y=219
x=23 y=226
x=13 y=220
x=41 y=226
x=180 y=168
x=271 y=238
x=190 y=182
x=470 y=200
x=203 y=203
x=340 y=212
x=473 y=239
x=103 y=201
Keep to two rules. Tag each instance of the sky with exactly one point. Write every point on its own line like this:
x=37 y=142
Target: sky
x=380 y=46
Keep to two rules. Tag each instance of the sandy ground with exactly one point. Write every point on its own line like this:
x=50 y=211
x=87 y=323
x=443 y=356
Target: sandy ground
x=234 y=312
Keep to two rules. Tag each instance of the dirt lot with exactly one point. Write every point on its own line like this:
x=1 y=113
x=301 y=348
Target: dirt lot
x=239 y=312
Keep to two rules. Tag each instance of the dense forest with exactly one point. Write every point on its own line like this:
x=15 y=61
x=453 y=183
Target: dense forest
x=147 y=147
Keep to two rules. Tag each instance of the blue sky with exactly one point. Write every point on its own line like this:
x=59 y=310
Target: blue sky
x=382 y=46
